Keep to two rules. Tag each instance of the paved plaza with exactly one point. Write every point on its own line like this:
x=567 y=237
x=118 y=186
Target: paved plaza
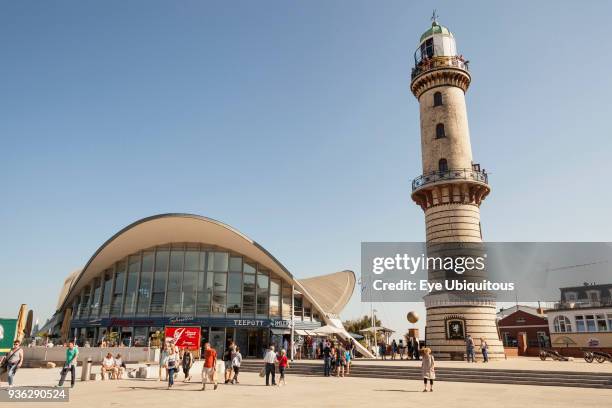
x=517 y=363
x=311 y=391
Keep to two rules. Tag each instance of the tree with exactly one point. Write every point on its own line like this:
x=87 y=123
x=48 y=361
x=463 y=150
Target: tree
x=355 y=325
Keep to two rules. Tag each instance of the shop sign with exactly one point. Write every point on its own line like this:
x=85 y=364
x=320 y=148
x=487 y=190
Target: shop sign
x=187 y=337
x=249 y=322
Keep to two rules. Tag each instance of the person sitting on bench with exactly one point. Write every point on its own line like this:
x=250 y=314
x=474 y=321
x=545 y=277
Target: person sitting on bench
x=108 y=366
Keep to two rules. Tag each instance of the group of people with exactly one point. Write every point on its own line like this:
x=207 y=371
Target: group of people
x=171 y=358
x=470 y=347
x=271 y=359
x=336 y=359
x=232 y=359
x=410 y=350
x=113 y=367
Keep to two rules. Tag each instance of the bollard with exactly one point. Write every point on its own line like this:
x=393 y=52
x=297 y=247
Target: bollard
x=86 y=370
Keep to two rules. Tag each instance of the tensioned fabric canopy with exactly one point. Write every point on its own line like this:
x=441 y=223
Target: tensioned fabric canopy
x=328 y=330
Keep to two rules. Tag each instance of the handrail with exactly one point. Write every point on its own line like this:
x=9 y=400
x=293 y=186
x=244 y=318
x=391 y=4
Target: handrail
x=452 y=174
x=428 y=64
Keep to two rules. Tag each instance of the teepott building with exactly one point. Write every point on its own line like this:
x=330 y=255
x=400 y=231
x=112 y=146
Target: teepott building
x=190 y=271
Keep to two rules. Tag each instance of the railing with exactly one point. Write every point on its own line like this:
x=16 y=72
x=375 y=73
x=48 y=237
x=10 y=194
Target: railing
x=453 y=174
x=439 y=62
x=582 y=304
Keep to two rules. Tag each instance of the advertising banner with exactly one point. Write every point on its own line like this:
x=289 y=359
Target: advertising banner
x=8 y=328
x=187 y=337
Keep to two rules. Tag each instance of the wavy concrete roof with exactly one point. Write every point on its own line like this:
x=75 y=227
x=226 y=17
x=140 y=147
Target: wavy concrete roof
x=332 y=291
x=66 y=287
x=328 y=293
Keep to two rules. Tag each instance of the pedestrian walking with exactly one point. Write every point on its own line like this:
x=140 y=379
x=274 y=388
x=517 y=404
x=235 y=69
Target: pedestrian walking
x=415 y=348
x=393 y=349
x=172 y=363
x=283 y=364
x=326 y=361
x=11 y=362
x=410 y=355
x=236 y=362
x=333 y=359
x=428 y=369
x=382 y=350
x=484 y=348
x=209 y=368
x=187 y=363
x=270 y=369
x=340 y=362
x=72 y=354
x=227 y=362
x=348 y=357
x=469 y=349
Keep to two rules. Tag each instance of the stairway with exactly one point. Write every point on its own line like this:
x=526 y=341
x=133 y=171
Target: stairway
x=476 y=375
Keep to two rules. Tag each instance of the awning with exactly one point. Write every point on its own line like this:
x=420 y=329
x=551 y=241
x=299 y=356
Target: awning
x=280 y=331
x=300 y=332
x=326 y=330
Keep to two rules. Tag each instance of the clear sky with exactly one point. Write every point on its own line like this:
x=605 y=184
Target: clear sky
x=291 y=121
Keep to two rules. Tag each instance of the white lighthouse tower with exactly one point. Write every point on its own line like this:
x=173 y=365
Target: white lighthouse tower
x=450 y=191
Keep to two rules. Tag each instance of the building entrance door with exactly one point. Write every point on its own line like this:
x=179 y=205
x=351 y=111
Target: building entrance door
x=217 y=339
x=253 y=339
x=242 y=340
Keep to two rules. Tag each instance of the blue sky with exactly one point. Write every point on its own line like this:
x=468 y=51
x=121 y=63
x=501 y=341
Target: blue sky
x=291 y=121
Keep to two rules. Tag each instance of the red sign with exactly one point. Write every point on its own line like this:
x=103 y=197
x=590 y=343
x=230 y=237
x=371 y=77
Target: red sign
x=188 y=337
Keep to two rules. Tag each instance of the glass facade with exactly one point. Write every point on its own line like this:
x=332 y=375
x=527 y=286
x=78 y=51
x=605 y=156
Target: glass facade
x=188 y=280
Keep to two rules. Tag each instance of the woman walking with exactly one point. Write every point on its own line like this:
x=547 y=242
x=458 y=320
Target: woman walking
x=428 y=369
x=283 y=363
x=172 y=362
x=484 y=348
x=187 y=363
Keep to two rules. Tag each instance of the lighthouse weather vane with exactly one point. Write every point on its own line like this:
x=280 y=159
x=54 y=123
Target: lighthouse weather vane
x=434 y=17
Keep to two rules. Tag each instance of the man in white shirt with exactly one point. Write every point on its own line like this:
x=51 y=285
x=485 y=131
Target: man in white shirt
x=108 y=366
x=269 y=360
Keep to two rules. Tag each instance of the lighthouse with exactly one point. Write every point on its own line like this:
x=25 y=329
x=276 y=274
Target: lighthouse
x=450 y=191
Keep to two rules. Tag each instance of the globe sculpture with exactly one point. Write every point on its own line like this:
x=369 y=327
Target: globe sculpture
x=413 y=317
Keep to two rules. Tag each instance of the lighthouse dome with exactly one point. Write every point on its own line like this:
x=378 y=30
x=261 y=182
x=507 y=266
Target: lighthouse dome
x=438 y=41
x=436 y=29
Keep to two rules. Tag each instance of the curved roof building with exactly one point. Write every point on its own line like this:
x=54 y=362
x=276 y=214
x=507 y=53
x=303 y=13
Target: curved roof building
x=189 y=270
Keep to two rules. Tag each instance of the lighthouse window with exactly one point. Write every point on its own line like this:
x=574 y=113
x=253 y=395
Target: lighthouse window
x=443 y=166
x=438 y=99
x=427 y=49
x=440 y=131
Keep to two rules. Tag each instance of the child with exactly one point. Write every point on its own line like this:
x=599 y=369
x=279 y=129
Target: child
x=427 y=368
x=236 y=361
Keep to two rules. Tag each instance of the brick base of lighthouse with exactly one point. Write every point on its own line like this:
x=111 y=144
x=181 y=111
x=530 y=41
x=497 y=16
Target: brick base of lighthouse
x=479 y=322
